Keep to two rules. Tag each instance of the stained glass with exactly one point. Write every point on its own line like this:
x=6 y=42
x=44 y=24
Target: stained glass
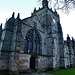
x=32 y=42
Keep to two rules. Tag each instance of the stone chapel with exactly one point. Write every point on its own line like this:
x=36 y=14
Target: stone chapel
x=35 y=42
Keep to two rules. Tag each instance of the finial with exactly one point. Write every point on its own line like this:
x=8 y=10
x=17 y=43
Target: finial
x=67 y=35
x=55 y=11
x=45 y=3
x=34 y=10
x=18 y=16
x=1 y=25
x=6 y=21
x=68 y=38
x=39 y=8
x=72 y=38
x=13 y=14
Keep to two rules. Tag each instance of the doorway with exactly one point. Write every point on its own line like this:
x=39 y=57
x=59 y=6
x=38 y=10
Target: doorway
x=32 y=63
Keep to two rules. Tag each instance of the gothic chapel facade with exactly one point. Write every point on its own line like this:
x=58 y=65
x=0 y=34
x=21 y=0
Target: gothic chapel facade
x=35 y=42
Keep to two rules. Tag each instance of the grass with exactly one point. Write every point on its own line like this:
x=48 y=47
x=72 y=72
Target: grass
x=70 y=71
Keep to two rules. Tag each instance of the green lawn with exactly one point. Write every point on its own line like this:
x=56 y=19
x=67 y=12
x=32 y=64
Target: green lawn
x=63 y=72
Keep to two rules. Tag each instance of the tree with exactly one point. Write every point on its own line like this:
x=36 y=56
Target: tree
x=61 y=4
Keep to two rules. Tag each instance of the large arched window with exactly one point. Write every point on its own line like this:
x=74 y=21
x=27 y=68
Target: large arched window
x=32 y=42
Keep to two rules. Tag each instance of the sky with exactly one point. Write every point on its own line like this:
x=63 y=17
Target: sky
x=26 y=7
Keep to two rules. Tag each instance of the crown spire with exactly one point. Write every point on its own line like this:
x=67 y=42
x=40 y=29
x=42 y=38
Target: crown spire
x=45 y=3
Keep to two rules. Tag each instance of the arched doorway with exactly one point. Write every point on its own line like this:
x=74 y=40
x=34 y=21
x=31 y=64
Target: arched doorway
x=32 y=63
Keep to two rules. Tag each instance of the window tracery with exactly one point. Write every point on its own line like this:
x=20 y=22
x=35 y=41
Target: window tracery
x=32 y=42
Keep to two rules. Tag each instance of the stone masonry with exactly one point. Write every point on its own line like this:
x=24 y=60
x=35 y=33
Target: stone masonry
x=35 y=42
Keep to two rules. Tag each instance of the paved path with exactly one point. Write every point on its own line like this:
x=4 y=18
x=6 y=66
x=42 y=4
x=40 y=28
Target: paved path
x=37 y=74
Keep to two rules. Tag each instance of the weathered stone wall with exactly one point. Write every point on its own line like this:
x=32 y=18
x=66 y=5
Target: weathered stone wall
x=48 y=34
x=71 y=56
x=45 y=23
x=66 y=55
x=74 y=61
x=43 y=62
x=4 y=64
x=24 y=61
x=14 y=65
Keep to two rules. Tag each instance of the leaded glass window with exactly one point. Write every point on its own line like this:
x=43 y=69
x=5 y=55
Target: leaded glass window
x=32 y=42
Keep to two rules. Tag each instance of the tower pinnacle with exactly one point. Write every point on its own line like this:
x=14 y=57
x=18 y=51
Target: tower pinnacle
x=45 y=3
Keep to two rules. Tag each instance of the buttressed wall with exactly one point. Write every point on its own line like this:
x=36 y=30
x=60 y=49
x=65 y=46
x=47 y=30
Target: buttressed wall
x=35 y=42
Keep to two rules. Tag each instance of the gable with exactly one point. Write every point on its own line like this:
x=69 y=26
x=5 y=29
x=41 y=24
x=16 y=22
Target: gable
x=41 y=18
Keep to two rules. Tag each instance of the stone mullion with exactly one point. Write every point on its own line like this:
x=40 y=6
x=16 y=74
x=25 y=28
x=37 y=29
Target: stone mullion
x=29 y=46
x=34 y=47
x=37 y=45
x=26 y=46
x=38 y=48
x=34 y=43
x=32 y=40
